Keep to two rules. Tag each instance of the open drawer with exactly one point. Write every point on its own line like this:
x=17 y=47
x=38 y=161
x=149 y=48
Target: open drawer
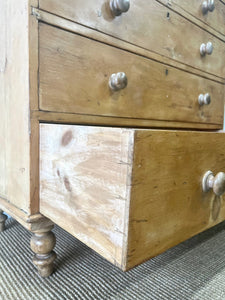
x=129 y=194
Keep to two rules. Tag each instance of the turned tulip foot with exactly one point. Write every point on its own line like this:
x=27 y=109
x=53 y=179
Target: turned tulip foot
x=42 y=244
x=3 y=218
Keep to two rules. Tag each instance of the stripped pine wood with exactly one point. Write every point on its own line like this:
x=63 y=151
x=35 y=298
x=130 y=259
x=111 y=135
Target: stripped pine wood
x=71 y=26
x=34 y=103
x=167 y=204
x=68 y=118
x=33 y=222
x=148 y=30
x=153 y=91
x=215 y=19
x=84 y=176
x=16 y=87
x=130 y=194
x=14 y=112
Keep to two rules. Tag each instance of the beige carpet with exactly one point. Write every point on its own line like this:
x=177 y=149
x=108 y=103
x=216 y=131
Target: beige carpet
x=193 y=270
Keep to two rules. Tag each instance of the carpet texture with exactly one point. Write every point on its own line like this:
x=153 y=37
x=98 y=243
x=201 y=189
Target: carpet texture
x=194 y=269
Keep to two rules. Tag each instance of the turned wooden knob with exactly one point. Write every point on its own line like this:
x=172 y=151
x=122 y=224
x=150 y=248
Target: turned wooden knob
x=119 y=6
x=118 y=81
x=217 y=183
x=206 y=49
x=208 y=5
x=204 y=99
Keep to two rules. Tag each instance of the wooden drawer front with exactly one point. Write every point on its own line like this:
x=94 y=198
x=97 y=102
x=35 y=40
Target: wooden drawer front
x=215 y=19
x=130 y=194
x=147 y=24
x=74 y=75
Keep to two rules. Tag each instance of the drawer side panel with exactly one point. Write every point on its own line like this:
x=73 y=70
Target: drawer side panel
x=84 y=184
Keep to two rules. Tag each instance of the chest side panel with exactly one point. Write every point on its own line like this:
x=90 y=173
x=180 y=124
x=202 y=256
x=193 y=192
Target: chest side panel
x=14 y=103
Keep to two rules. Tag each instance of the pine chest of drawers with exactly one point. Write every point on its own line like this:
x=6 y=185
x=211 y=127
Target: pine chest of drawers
x=111 y=123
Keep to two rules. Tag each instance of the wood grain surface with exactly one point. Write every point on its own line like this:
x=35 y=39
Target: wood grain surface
x=156 y=28
x=129 y=194
x=215 y=19
x=154 y=91
x=84 y=183
x=167 y=203
x=68 y=118
x=14 y=104
x=18 y=89
x=68 y=25
x=32 y=222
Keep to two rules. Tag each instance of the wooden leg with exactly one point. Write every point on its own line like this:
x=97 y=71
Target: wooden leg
x=42 y=243
x=3 y=218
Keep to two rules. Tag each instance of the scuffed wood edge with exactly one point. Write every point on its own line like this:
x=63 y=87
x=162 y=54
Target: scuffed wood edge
x=30 y=222
x=68 y=118
x=34 y=99
x=34 y=166
x=33 y=60
x=109 y=40
x=128 y=197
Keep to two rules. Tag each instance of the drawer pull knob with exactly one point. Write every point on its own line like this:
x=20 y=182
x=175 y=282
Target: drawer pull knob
x=208 y=5
x=119 y=6
x=118 y=81
x=217 y=183
x=204 y=99
x=206 y=49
